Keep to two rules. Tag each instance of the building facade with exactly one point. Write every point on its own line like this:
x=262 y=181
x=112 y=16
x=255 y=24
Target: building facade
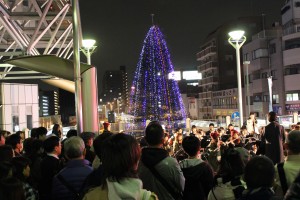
x=49 y=103
x=217 y=64
x=19 y=106
x=115 y=90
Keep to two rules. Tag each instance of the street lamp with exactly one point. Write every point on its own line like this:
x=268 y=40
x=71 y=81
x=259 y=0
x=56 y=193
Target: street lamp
x=237 y=39
x=88 y=47
x=247 y=82
x=90 y=90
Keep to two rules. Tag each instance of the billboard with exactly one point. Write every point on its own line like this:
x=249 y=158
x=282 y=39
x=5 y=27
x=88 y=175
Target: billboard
x=175 y=75
x=191 y=75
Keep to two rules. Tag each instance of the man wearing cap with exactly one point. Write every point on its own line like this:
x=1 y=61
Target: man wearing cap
x=106 y=126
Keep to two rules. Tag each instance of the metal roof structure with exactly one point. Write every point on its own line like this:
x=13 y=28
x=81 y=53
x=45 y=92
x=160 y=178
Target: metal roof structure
x=33 y=28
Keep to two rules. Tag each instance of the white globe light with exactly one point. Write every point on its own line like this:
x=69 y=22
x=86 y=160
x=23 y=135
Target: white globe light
x=236 y=35
x=89 y=43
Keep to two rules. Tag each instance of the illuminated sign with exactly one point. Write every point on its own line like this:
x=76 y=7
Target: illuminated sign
x=176 y=75
x=191 y=75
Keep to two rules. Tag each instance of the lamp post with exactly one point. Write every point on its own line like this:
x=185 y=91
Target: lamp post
x=90 y=91
x=88 y=47
x=247 y=82
x=237 y=39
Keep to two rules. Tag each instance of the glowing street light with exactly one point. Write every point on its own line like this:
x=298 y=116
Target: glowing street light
x=88 y=47
x=237 y=39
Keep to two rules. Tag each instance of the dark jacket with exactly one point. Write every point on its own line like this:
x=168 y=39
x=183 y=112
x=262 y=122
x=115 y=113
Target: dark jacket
x=166 y=166
x=75 y=174
x=272 y=142
x=198 y=181
x=50 y=166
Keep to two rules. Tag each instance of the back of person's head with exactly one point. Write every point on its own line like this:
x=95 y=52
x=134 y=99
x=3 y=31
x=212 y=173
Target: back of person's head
x=154 y=134
x=11 y=189
x=87 y=136
x=231 y=164
x=259 y=172
x=50 y=143
x=71 y=133
x=13 y=140
x=293 y=142
x=20 y=163
x=56 y=130
x=98 y=142
x=191 y=145
x=272 y=116
x=21 y=134
x=41 y=132
x=33 y=133
x=6 y=170
x=4 y=133
x=74 y=147
x=121 y=156
x=6 y=153
x=27 y=145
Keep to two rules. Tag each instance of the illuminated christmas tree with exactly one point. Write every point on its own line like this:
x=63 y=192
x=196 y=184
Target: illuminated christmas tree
x=153 y=95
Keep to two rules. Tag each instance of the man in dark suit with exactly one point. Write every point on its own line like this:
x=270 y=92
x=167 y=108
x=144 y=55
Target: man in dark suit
x=273 y=139
x=50 y=166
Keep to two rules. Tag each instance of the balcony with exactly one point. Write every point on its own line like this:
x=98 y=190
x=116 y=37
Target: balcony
x=291 y=56
x=209 y=51
x=208 y=81
x=290 y=82
x=207 y=66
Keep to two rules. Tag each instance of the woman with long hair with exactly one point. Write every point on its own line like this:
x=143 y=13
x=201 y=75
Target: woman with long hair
x=120 y=161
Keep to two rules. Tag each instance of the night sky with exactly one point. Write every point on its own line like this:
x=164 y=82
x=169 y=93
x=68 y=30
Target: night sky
x=120 y=26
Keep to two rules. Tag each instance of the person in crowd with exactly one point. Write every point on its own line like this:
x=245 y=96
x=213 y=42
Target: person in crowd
x=120 y=179
x=259 y=178
x=6 y=170
x=286 y=172
x=41 y=133
x=11 y=189
x=193 y=131
x=71 y=133
x=230 y=127
x=2 y=138
x=106 y=127
x=88 y=138
x=50 y=166
x=16 y=143
x=6 y=153
x=22 y=171
x=159 y=172
x=166 y=144
x=228 y=183
x=211 y=129
x=293 y=192
x=5 y=133
x=251 y=124
x=212 y=151
x=56 y=130
x=75 y=172
x=95 y=178
x=32 y=133
x=21 y=134
x=198 y=174
x=34 y=152
x=272 y=140
x=177 y=141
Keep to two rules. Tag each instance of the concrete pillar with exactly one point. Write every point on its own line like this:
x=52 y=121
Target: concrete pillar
x=90 y=100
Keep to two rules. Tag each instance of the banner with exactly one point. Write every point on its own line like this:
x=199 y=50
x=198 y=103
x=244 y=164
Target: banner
x=270 y=93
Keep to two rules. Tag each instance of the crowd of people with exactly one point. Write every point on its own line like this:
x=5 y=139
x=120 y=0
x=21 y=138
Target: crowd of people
x=214 y=165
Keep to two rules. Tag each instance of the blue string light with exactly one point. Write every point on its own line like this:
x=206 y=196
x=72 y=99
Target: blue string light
x=153 y=96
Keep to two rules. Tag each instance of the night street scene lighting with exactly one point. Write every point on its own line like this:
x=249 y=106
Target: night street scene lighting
x=237 y=39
